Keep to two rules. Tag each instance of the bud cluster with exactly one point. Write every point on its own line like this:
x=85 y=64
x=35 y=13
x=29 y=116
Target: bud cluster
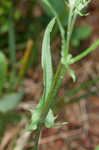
x=78 y=5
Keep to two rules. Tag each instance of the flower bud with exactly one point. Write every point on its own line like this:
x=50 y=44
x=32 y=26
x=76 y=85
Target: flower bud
x=78 y=5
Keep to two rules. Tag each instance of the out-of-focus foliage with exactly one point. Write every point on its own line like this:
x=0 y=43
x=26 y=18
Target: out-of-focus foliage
x=9 y=97
x=58 y=5
x=80 y=33
x=3 y=71
x=6 y=118
x=97 y=147
x=4 y=11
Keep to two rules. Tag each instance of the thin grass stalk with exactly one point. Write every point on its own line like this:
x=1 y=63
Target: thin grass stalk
x=77 y=99
x=74 y=91
x=25 y=62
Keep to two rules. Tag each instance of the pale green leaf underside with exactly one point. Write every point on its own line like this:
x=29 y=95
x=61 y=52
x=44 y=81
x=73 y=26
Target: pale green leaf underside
x=9 y=101
x=47 y=70
x=36 y=114
x=47 y=79
x=49 y=121
x=46 y=59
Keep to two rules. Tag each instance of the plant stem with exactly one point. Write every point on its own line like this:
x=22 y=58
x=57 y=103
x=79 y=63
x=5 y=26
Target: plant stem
x=68 y=32
x=49 y=102
x=58 y=76
x=37 y=135
x=85 y=53
x=73 y=23
x=44 y=111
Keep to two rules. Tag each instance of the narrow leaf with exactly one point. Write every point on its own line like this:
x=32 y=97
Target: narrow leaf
x=72 y=74
x=47 y=79
x=36 y=114
x=46 y=59
x=49 y=121
x=47 y=70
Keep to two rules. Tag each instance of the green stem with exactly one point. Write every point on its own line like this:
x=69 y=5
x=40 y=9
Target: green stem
x=60 y=70
x=37 y=135
x=85 y=53
x=40 y=124
x=68 y=32
x=73 y=23
x=51 y=96
x=54 y=82
x=59 y=73
x=49 y=102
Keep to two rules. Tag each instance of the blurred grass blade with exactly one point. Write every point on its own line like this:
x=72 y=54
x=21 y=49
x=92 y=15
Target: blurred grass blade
x=84 y=96
x=3 y=71
x=77 y=99
x=12 y=45
x=74 y=91
x=25 y=62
